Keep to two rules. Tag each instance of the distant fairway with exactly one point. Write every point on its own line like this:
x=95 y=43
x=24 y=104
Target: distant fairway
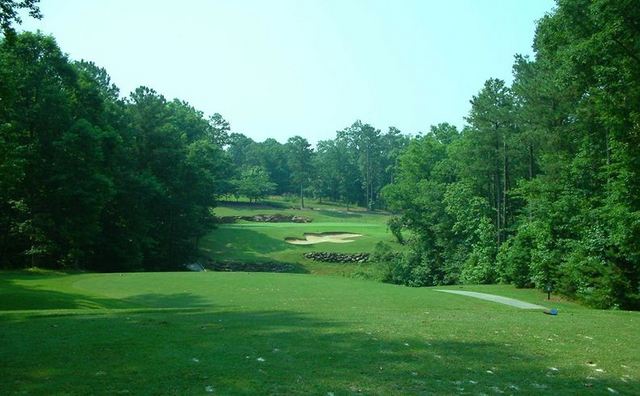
x=261 y=333
x=254 y=242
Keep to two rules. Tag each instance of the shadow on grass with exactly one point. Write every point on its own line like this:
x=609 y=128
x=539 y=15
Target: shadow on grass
x=14 y=296
x=255 y=266
x=242 y=240
x=257 y=205
x=242 y=249
x=339 y=214
x=17 y=296
x=268 y=352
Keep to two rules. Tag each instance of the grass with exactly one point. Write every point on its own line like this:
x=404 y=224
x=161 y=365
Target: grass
x=265 y=242
x=262 y=333
x=265 y=333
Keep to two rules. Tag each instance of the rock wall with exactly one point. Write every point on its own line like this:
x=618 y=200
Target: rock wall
x=265 y=218
x=328 y=257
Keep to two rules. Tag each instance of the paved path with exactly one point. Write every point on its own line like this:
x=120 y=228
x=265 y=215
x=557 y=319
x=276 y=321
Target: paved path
x=491 y=297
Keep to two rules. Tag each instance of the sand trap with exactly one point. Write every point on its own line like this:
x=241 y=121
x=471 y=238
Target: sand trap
x=332 y=237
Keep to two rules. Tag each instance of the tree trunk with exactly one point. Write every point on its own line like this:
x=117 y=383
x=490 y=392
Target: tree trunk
x=530 y=161
x=505 y=180
x=301 y=196
x=496 y=193
x=497 y=187
x=529 y=212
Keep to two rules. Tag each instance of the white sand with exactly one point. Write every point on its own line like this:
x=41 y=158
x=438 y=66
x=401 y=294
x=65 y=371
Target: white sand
x=331 y=237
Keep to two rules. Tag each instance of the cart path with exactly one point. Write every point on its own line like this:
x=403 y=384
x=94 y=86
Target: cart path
x=491 y=297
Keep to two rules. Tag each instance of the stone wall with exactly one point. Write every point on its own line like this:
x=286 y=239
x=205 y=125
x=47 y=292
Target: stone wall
x=328 y=257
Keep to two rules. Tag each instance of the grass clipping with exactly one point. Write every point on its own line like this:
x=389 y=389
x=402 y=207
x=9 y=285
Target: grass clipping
x=311 y=238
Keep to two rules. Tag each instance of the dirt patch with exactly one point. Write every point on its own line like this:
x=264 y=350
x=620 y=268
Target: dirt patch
x=331 y=237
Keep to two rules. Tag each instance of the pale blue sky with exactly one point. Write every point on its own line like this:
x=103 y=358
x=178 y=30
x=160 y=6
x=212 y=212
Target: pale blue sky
x=281 y=68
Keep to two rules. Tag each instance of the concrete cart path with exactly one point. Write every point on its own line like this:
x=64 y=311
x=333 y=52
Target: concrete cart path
x=491 y=297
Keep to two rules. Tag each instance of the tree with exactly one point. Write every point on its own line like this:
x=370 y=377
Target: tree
x=272 y=156
x=9 y=14
x=418 y=194
x=393 y=143
x=365 y=142
x=237 y=147
x=299 y=159
x=179 y=162
x=220 y=129
x=37 y=110
x=490 y=133
x=254 y=183
x=328 y=170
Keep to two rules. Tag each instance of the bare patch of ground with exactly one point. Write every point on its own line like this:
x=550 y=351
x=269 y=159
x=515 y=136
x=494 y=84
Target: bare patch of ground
x=311 y=238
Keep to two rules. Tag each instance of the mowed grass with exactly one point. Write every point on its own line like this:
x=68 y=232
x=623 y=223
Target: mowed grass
x=263 y=333
x=252 y=242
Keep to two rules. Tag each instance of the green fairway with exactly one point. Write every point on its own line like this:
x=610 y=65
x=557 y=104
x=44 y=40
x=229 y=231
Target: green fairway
x=261 y=333
x=254 y=242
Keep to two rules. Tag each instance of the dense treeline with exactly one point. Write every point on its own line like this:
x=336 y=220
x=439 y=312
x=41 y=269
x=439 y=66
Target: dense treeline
x=351 y=169
x=90 y=180
x=542 y=187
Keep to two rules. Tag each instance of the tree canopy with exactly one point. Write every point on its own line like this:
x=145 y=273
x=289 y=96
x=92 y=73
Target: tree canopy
x=540 y=188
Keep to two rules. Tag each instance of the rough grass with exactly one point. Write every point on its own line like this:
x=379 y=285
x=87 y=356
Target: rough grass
x=250 y=333
x=265 y=242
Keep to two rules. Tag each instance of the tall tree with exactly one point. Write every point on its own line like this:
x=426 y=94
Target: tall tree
x=491 y=129
x=299 y=160
x=365 y=141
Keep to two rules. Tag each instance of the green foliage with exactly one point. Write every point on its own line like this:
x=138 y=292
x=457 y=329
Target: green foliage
x=513 y=260
x=254 y=183
x=90 y=181
x=479 y=266
x=541 y=187
x=299 y=155
x=272 y=156
x=9 y=13
x=395 y=225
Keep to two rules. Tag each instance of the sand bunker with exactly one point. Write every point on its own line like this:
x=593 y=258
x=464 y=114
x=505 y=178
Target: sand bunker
x=332 y=237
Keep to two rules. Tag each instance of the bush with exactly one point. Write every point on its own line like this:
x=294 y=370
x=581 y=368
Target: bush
x=479 y=266
x=514 y=258
x=395 y=225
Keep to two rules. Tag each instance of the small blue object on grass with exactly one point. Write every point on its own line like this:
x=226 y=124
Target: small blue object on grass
x=552 y=311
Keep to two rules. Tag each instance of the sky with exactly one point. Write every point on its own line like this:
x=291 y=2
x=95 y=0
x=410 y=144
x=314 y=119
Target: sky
x=281 y=68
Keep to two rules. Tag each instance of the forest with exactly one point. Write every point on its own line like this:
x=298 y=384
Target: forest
x=540 y=188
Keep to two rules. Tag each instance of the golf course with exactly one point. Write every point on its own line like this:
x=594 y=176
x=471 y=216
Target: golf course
x=279 y=243
x=319 y=331
x=320 y=197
